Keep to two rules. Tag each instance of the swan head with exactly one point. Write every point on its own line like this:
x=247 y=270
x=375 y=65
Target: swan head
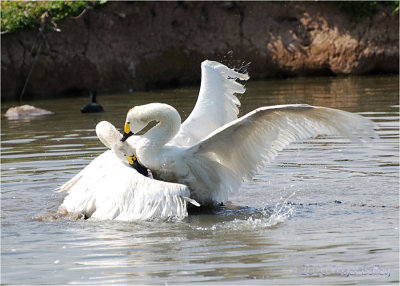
x=110 y=137
x=133 y=124
x=139 y=117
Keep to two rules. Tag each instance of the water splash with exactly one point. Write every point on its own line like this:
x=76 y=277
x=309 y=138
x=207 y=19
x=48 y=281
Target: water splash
x=267 y=218
x=238 y=65
x=246 y=219
x=282 y=211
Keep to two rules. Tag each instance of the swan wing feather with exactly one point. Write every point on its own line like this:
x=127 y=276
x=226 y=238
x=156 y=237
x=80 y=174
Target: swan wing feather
x=216 y=105
x=247 y=144
x=110 y=189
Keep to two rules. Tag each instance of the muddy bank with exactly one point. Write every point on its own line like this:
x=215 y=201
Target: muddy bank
x=141 y=45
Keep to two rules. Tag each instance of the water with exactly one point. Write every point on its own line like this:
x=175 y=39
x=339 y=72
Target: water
x=324 y=212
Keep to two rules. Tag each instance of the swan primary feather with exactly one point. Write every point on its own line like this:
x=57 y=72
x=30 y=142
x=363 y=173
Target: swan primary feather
x=216 y=105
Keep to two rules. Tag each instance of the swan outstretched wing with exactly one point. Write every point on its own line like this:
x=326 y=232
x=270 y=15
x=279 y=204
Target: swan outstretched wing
x=248 y=143
x=110 y=189
x=216 y=105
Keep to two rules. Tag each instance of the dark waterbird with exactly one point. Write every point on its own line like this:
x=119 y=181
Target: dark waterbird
x=93 y=106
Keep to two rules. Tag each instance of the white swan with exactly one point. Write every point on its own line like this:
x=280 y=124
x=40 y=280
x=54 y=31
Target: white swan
x=108 y=188
x=207 y=157
x=216 y=165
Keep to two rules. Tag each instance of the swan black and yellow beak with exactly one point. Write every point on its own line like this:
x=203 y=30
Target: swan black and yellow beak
x=127 y=132
x=131 y=159
x=136 y=165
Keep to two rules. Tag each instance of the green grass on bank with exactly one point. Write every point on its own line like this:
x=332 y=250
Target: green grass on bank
x=359 y=10
x=16 y=15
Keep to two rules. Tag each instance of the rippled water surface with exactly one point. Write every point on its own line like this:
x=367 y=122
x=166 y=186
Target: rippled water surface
x=325 y=211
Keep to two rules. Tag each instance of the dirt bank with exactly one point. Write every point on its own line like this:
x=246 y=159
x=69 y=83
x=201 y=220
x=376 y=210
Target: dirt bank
x=138 y=45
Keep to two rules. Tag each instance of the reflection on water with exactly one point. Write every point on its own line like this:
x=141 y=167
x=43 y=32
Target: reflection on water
x=325 y=211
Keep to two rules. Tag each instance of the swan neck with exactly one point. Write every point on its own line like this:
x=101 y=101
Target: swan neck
x=93 y=96
x=168 y=126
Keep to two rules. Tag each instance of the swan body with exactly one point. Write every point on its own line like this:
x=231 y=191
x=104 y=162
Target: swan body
x=206 y=158
x=217 y=164
x=108 y=188
x=93 y=106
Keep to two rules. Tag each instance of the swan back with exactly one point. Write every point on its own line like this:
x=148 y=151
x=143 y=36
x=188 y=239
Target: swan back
x=109 y=189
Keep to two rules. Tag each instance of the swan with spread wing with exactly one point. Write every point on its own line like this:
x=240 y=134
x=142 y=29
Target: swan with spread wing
x=213 y=151
x=109 y=188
